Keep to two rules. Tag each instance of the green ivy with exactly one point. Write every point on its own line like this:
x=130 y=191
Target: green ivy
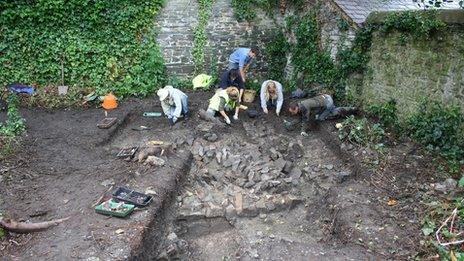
x=15 y=124
x=200 y=37
x=361 y=131
x=439 y=128
x=103 y=45
x=276 y=56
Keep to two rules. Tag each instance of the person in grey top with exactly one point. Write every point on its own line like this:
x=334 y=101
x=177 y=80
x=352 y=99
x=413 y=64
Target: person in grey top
x=319 y=108
x=271 y=96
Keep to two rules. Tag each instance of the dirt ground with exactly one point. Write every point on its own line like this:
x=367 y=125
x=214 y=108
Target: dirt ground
x=254 y=191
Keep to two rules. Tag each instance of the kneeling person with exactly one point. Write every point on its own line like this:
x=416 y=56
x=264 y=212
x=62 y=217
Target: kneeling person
x=174 y=103
x=222 y=101
x=318 y=108
x=271 y=96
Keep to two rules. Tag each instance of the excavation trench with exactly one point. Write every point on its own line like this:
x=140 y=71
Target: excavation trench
x=248 y=191
x=251 y=193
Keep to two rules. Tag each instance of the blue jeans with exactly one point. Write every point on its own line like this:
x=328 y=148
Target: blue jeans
x=329 y=110
x=233 y=65
x=185 y=109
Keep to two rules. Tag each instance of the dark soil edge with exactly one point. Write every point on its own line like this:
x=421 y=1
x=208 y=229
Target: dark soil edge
x=153 y=234
x=113 y=131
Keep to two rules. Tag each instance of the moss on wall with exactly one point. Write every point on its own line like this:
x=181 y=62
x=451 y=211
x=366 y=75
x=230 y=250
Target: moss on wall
x=408 y=70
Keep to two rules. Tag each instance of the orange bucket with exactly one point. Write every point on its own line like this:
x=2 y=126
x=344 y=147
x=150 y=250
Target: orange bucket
x=110 y=102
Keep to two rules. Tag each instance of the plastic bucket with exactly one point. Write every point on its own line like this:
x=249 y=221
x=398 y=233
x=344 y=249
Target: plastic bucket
x=62 y=90
x=249 y=96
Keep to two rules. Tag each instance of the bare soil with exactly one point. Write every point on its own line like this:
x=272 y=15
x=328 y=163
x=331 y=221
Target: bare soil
x=338 y=208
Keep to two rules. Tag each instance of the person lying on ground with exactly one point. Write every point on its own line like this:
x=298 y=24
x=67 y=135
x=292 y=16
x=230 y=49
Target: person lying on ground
x=174 y=103
x=222 y=101
x=241 y=59
x=231 y=78
x=318 y=108
x=271 y=96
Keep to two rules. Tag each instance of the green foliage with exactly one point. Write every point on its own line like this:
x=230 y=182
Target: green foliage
x=419 y=24
x=315 y=65
x=15 y=124
x=361 y=131
x=103 y=45
x=441 y=129
x=200 y=38
x=276 y=52
x=386 y=114
x=244 y=10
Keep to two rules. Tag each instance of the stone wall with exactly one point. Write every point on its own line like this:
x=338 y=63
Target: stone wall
x=409 y=70
x=225 y=34
x=334 y=36
x=177 y=24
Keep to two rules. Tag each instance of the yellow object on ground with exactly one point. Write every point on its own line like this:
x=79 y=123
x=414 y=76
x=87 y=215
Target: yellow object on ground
x=243 y=107
x=249 y=96
x=109 y=102
x=156 y=142
x=202 y=81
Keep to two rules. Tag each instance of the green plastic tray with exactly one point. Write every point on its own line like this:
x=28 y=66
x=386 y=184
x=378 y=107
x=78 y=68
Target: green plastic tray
x=128 y=208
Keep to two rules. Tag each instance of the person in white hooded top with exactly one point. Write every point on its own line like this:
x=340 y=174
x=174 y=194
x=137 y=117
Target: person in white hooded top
x=271 y=96
x=174 y=103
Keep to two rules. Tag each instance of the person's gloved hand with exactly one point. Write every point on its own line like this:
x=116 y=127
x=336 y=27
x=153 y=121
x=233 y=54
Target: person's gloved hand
x=174 y=119
x=236 y=116
x=265 y=110
x=278 y=113
x=304 y=134
x=228 y=120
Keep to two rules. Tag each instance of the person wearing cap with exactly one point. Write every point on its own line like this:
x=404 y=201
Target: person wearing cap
x=271 y=96
x=318 y=108
x=174 y=103
x=222 y=101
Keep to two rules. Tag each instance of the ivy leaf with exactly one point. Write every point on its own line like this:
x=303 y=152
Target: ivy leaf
x=427 y=231
x=461 y=182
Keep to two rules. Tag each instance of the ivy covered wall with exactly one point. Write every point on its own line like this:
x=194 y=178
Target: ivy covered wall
x=409 y=70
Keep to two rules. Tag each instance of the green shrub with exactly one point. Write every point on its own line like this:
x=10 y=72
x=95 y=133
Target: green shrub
x=385 y=113
x=244 y=10
x=15 y=125
x=103 y=45
x=441 y=129
x=361 y=131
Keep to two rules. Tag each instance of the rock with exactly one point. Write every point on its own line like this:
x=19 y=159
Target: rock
x=288 y=180
x=172 y=236
x=240 y=182
x=270 y=206
x=343 y=176
x=265 y=170
x=265 y=177
x=446 y=186
x=210 y=153
x=107 y=182
x=218 y=157
x=235 y=165
x=214 y=211
x=250 y=211
x=295 y=173
x=119 y=231
x=287 y=167
x=230 y=212
x=190 y=141
x=201 y=151
x=329 y=166
x=155 y=161
x=239 y=203
x=228 y=163
x=210 y=136
x=249 y=184
x=262 y=216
